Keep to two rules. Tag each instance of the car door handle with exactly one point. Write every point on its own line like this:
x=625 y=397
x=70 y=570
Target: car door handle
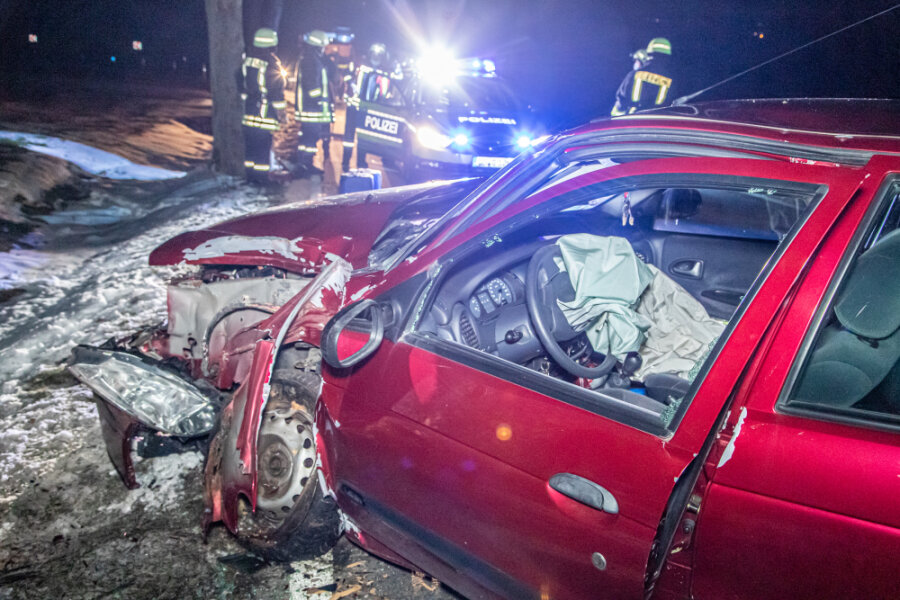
x=687 y=268
x=585 y=491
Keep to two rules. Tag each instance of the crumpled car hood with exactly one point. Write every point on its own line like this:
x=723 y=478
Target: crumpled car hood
x=297 y=237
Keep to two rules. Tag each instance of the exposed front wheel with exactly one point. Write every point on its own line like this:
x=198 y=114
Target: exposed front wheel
x=293 y=519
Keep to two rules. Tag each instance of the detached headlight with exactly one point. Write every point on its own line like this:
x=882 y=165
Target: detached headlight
x=432 y=138
x=151 y=395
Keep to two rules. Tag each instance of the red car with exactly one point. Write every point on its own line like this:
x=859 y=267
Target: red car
x=655 y=356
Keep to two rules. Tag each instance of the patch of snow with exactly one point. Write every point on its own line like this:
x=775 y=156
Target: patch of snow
x=90 y=159
x=311 y=575
x=161 y=480
x=35 y=431
x=87 y=295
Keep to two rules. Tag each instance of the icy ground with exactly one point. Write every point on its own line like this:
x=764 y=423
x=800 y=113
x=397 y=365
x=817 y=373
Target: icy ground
x=68 y=527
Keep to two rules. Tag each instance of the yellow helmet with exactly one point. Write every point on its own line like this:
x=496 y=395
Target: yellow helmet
x=265 y=38
x=660 y=45
x=317 y=38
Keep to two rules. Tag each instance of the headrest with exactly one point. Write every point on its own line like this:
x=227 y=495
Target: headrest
x=869 y=304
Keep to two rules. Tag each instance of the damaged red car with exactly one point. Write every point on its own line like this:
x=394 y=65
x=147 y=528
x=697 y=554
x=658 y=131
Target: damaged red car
x=654 y=356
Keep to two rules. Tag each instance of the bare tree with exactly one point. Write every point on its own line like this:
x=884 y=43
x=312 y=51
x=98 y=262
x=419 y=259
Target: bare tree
x=226 y=44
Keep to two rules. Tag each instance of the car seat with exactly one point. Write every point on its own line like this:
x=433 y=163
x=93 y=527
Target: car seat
x=861 y=346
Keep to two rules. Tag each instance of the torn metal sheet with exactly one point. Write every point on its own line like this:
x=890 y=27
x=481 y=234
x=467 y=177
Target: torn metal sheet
x=233 y=453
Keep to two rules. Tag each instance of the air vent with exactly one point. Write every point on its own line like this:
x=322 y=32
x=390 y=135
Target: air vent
x=467 y=331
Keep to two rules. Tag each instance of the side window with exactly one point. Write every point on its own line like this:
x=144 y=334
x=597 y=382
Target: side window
x=756 y=213
x=575 y=297
x=383 y=89
x=852 y=369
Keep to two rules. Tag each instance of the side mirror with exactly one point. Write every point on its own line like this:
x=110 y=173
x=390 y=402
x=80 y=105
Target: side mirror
x=354 y=334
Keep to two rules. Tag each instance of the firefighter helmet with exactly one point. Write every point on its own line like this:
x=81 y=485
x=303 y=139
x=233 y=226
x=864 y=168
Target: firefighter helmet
x=265 y=38
x=660 y=45
x=317 y=38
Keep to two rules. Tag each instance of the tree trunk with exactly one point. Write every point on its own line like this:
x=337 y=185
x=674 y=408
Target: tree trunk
x=226 y=44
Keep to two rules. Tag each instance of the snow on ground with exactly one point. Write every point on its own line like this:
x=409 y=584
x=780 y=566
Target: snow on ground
x=68 y=527
x=88 y=294
x=88 y=158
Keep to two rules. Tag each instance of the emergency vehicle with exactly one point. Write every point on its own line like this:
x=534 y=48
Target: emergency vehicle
x=441 y=114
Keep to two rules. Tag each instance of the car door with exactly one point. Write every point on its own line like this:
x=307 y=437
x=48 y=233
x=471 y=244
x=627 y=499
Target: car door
x=453 y=461
x=382 y=126
x=804 y=501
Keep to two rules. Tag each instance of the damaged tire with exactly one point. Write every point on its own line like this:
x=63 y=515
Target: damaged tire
x=293 y=519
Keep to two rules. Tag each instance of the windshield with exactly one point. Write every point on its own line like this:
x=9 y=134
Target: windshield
x=482 y=93
x=411 y=219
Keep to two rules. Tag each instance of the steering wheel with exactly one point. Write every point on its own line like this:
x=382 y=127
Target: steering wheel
x=544 y=284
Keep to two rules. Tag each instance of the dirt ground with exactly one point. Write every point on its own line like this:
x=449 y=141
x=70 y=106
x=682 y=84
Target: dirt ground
x=68 y=527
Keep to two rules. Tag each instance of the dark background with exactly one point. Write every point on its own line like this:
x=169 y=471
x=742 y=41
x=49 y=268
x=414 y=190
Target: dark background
x=566 y=57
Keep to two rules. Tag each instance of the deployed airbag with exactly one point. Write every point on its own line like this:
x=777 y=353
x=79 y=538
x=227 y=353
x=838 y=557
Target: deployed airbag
x=608 y=279
x=625 y=305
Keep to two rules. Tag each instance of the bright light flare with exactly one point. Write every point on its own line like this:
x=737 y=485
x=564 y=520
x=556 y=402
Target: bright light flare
x=523 y=142
x=461 y=139
x=432 y=138
x=438 y=67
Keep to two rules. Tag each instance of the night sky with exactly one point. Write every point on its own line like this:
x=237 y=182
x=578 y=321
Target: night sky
x=566 y=57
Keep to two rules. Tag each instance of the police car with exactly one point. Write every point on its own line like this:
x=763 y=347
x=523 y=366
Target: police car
x=454 y=116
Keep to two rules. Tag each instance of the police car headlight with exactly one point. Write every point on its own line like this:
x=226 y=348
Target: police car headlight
x=432 y=138
x=461 y=140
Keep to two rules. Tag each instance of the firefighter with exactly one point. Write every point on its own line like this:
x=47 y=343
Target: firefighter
x=375 y=60
x=649 y=84
x=315 y=111
x=263 y=95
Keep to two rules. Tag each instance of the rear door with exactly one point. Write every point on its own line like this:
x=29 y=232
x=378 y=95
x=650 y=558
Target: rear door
x=452 y=458
x=804 y=502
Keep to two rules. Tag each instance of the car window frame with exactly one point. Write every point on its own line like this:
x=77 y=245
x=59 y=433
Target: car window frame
x=567 y=392
x=875 y=214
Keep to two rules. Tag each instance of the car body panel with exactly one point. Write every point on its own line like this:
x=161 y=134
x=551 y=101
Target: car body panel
x=422 y=417
x=806 y=490
x=298 y=237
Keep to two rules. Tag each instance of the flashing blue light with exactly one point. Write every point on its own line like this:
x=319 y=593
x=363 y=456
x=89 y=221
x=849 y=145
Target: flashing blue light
x=461 y=140
x=112 y=59
x=488 y=65
x=523 y=141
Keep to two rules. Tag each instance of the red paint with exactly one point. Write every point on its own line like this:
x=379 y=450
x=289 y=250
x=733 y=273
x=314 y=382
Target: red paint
x=347 y=230
x=752 y=546
x=257 y=386
x=817 y=499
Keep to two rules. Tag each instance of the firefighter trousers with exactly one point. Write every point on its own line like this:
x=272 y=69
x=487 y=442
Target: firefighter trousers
x=257 y=153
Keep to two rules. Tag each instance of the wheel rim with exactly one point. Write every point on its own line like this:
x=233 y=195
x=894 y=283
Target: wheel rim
x=287 y=459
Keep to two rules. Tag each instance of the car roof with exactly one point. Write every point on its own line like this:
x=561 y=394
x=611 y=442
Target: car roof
x=839 y=123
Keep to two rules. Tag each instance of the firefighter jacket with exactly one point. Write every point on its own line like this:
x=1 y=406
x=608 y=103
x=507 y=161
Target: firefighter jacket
x=262 y=92
x=313 y=97
x=646 y=87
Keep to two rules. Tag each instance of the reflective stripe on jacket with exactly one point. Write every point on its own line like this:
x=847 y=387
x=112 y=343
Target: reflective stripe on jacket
x=313 y=96
x=263 y=89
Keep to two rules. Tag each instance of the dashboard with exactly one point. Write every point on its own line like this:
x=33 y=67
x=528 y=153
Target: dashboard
x=483 y=306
